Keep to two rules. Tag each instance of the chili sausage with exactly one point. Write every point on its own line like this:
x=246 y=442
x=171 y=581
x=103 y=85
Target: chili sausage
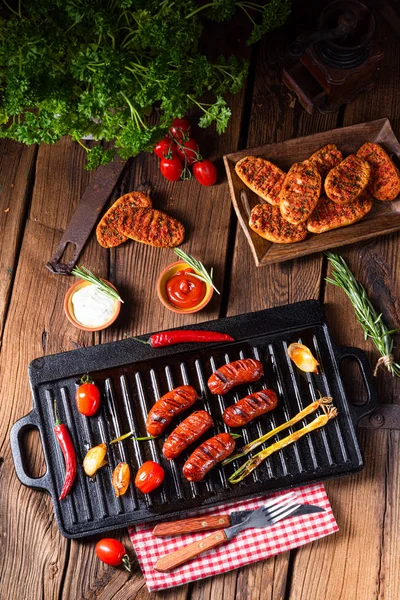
x=206 y=456
x=249 y=408
x=186 y=433
x=168 y=406
x=235 y=373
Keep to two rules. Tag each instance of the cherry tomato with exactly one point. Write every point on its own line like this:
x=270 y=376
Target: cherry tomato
x=149 y=476
x=112 y=552
x=190 y=150
x=87 y=397
x=180 y=129
x=171 y=168
x=164 y=147
x=205 y=172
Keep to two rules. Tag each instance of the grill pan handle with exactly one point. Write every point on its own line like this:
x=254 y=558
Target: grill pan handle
x=357 y=412
x=30 y=421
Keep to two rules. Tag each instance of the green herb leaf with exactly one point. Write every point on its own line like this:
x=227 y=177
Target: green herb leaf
x=197 y=266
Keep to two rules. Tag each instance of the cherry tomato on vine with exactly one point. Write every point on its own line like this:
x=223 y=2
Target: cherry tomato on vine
x=164 y=147
x=205 y=172
x=188 y=150
x=171 y=168
x=112 y=552
x=87 y=397
x=180 y=129
x=149 y=476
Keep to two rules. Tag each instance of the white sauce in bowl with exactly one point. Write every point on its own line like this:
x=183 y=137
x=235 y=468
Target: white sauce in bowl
x=91 y=307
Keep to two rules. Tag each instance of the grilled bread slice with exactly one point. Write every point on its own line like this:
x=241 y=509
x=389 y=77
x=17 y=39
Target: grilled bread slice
x=326 y=158
x=106 y=232
x=384 y=183
x=151 y=227
x=345 y=182
x=300 y=192
x=262 y=177
x=330 y=215
x=267 y=221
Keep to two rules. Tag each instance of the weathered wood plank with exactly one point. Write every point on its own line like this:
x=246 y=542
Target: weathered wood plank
x=16 y=167
x=366 y=506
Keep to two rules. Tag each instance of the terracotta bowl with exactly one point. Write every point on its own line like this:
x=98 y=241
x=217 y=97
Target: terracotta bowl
x=69 y=311
x=162 y=294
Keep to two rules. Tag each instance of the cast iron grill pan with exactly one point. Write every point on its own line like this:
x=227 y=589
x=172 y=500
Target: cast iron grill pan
x=132 y=377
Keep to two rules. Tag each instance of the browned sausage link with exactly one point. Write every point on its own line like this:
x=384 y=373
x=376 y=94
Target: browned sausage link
x=206 y=456
x=235 y=373
x=249 y=408
x=186 y=433
x=168 y=406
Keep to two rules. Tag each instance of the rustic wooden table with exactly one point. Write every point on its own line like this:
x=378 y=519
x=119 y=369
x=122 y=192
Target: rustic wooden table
x=40 y=188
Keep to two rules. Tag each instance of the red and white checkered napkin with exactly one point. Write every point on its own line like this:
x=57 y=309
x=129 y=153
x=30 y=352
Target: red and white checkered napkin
x=250 y=546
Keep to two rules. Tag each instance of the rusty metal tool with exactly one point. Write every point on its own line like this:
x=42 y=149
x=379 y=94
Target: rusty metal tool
x=86 y=215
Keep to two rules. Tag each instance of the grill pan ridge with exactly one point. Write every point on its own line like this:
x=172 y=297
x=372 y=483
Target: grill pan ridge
x=132 y=377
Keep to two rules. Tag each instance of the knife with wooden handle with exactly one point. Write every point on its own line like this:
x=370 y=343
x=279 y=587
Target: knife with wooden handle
x=210 y=522
x=258 y=518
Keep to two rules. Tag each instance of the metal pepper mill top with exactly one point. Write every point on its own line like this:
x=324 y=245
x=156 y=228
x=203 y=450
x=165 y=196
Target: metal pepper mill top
x=332 y=65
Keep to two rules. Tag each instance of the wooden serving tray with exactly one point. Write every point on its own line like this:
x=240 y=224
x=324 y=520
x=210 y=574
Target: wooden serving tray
x=382 y=219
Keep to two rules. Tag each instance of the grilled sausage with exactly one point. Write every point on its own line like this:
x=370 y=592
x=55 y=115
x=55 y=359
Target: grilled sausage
x=249 y=408
x=206 y=456
x=235 y=373
x=168 y=406
x=384 y=183
x=268 y=223
x=345 y=182
x=186 y=433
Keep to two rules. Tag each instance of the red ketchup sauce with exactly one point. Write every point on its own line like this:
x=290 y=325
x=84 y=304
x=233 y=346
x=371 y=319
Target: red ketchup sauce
x=184 y=290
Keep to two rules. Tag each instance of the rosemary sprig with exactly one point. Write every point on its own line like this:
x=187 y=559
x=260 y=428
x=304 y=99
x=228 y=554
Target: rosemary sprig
x=102 y=286
x=196 y=265
x=371 y=322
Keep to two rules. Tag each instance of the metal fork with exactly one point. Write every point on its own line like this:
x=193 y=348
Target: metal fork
x=273 y=511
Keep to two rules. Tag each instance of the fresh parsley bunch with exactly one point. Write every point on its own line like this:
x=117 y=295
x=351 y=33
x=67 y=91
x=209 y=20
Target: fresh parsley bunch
x=118 y=70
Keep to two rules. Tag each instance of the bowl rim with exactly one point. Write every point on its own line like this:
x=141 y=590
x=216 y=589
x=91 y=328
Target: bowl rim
x=72 y=319
x=183 y=311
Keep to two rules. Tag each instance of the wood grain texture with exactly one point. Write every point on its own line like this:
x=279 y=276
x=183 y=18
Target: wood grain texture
x=16 y=167
x=364 y=505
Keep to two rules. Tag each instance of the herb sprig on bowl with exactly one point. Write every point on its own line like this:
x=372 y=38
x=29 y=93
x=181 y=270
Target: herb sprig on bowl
x=102 y=286
x=197 y=266
x=118 y=70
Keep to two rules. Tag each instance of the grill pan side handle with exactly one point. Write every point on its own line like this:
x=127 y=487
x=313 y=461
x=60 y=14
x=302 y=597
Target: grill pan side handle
x=30 y=421
x=357 y=412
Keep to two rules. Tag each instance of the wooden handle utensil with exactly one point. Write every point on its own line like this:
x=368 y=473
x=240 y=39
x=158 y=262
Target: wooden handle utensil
x=177 y=558
x=193 y=525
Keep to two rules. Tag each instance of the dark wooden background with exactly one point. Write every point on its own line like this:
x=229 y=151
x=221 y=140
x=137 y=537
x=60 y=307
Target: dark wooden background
x=40 y=188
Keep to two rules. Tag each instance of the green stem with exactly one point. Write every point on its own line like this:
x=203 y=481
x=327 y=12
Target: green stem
x=12 y=10
x=194 y=12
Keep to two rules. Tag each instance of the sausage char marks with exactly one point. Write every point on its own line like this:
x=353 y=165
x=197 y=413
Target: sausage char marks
x=187 y=432
x=168 y=406
x=250 y=407
x=267 y=221
x=107 y=233
x=346 y=181
x=235 y=373
x=152 y=227
x=206 y=456
x=262 y=177
x=384 y=183
x=330 y=215
x=326 y=158
x=300 y=192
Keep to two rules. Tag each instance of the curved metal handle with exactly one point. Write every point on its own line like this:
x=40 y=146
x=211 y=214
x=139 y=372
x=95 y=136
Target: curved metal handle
x=357 y=412
x=30 y=421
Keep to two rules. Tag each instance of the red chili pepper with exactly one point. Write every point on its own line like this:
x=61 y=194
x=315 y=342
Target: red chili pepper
x=68 y=450
x=182 y=336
